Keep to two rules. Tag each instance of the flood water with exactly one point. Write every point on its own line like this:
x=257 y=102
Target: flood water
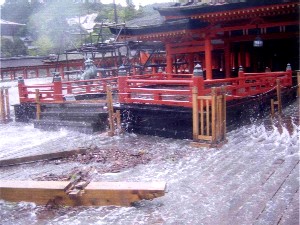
x=204 y=186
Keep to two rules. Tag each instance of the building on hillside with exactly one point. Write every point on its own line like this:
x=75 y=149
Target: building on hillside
x=9 y=29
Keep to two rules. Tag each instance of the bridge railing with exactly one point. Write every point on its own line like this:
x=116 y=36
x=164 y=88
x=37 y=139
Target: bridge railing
x=57 y=90
x=159 y=88
x=164 y=89
x=89 y=86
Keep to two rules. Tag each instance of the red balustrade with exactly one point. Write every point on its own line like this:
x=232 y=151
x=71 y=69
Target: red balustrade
x=169 y=90
x=56 y=91
x=159 y=88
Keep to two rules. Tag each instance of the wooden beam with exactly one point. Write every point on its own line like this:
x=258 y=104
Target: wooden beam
x=94 y=194
x=47 y=156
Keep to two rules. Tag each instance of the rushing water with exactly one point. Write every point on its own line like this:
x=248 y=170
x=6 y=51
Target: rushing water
x=205 y=186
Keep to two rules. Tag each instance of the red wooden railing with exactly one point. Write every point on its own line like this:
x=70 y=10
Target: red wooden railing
x=159 y=88
x=56 y=91
x=169 y=90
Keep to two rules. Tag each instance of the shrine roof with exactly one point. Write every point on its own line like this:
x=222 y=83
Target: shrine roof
x=193 y=16
x=164 y=26
x=196 y=8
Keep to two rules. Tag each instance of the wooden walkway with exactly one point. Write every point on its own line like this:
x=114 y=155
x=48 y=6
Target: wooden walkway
x=253 y=179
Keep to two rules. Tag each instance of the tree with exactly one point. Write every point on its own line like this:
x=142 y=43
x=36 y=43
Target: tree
x=6 y=47
x=45 y=45
x=19 y=47
x=10 y=48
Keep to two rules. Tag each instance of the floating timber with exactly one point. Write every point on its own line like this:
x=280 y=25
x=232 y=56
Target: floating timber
x=41 y=157
x=94 y=194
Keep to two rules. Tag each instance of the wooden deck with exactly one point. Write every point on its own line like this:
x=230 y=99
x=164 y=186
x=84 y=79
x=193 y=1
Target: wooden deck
x=253 y=179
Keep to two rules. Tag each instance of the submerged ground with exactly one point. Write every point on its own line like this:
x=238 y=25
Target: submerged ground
x=253 y=179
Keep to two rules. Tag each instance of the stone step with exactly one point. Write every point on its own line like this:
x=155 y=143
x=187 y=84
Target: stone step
x=75 y=116
x=80 y=126
x=74 y=107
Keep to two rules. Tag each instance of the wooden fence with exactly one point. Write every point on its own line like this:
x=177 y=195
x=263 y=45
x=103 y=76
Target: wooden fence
x=209 y=117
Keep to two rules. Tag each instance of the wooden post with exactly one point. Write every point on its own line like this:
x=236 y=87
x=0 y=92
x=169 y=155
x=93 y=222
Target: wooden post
x=272 y=108
x=207 y=118
x=37 y=74
x=61 y=71
x=227 y=59
x=7 y=104
x=218 y=116
x=2 y=106
x=118 y=118
x=213 y=114
x=208 y=58
x=122 y=84
x=21 y=89
x=202 y=117
x=169 y=67
x=25 y=73
x=241 y=75
x=278 y=88
x=110 y=108
x=223 y=90
x=48 y=72
x=57 y=86
x=191 y=62
x=38 y=104
x=298 y=83
x=195 y=114
x=198 y=80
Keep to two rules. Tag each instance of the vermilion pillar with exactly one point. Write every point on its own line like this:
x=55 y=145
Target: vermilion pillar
x=207 y=46
x=191 y=62
x=227 y=56
x=169 y=68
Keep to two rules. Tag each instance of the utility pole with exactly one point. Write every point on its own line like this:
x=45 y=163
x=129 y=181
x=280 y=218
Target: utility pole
x=115 y=12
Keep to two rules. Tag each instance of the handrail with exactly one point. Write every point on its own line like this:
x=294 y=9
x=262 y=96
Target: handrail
x=247 y=84
x=157 y=88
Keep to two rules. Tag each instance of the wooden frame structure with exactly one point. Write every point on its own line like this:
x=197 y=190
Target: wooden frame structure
x=209 y=117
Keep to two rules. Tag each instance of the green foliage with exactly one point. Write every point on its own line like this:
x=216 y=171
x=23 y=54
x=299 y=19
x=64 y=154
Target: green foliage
x=17 y=12
x=10 y=48
x=45 y=45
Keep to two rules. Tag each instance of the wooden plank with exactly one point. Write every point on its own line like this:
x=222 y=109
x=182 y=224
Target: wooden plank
x=205 y=137
x=254 y=206
x=205 y=97
x=95 y=193
x=275 y=208
x=291 y=214
x=47 y=156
